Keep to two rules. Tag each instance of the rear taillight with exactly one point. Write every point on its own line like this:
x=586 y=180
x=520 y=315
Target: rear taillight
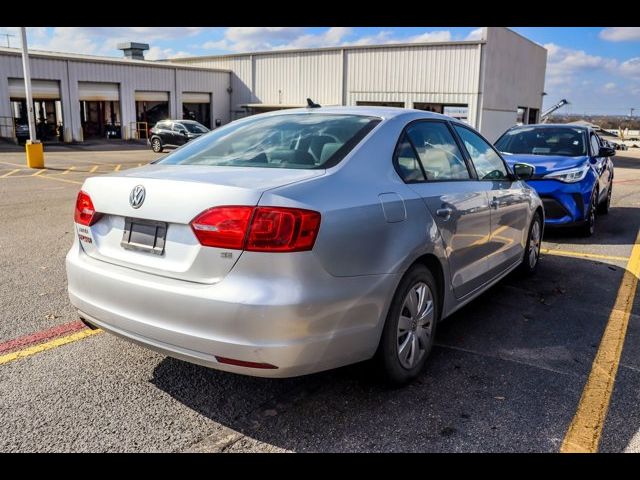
x=85 y=213
x=258 y=229
x=222 y=227
x=275 y=229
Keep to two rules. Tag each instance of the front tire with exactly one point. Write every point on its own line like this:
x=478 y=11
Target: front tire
x=606 y=205
x=156 y=145
x=589 y=227
x=409 y=331
x=531 y=258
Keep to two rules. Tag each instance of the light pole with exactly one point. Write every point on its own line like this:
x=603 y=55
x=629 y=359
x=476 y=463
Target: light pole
x=35 y=155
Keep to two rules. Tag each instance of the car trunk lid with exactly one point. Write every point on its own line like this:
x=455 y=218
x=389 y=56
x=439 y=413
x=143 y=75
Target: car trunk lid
x=173 y=196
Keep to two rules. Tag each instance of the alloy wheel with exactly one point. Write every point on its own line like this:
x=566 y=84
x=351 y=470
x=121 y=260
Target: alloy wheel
x=415 y=325
x=534 y=244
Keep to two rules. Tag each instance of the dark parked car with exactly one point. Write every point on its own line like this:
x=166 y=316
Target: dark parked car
x=22 y=132
x=173 y=133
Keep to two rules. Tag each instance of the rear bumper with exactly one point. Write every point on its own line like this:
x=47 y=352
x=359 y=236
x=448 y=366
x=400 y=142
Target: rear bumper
x=564 y=203
x=302 y=324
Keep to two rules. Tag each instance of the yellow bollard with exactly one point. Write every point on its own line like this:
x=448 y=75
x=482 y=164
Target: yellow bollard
x=35 y=154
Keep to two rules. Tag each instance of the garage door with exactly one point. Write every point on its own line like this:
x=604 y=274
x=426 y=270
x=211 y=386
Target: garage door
x=98 y=91
x=146 y=96
x=194 y=97
x=40 y=89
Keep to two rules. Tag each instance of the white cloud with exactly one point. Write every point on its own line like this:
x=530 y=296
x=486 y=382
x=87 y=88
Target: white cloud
x=102 y=40
x=245 y=39
x=564 y=63
x=329 y=38
x=476 y=34
x=620 y=34
x=631 y=67
x=609 y=86
x=157 y=53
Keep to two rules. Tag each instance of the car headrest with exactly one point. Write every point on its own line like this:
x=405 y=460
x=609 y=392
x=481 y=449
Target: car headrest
x=328 y=149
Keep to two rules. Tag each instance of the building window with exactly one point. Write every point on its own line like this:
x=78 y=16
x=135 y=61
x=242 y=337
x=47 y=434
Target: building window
x=380 y=104
x=521 y=117
x=533 y=116
x=459 y=111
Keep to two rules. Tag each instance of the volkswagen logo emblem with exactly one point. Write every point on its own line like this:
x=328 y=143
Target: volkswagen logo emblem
x=136 y=197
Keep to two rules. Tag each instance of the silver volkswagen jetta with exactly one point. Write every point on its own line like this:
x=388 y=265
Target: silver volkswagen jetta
x=298 y=241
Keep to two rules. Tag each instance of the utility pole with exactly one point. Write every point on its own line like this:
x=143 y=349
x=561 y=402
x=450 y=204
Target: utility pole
x=631 y=113
x=35 y=156
x=8 y=35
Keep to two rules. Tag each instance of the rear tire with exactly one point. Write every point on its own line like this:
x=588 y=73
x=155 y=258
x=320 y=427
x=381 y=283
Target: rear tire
x=409 y=330
x=156 y=145
x=531 y=258
x=589 y=227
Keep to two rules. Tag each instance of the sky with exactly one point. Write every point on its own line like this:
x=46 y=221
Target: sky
x=596 y=68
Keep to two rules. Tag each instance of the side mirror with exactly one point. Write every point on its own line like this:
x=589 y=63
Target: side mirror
x=606 y=152
x=523 y=171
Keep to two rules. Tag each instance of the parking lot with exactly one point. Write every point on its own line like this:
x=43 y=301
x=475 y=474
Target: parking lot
x=507 y=374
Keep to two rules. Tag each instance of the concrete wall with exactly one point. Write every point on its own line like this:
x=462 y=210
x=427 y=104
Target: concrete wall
x=130 y=76
x=514 y=71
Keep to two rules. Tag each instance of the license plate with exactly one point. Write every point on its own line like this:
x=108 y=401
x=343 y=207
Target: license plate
x=144 y=235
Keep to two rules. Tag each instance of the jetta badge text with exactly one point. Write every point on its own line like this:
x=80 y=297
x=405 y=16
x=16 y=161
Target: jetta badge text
x=136 y=197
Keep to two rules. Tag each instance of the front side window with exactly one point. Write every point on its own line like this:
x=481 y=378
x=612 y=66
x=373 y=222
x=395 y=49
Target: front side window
x=438 y=152
x=296 y=140
x=564 y=141
x=488 y=164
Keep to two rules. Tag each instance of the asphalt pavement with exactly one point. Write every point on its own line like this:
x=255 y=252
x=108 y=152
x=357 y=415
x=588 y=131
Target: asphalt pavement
x=507 y=373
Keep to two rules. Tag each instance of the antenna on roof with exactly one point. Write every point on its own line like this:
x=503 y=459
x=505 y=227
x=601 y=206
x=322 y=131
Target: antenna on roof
x=312 y=104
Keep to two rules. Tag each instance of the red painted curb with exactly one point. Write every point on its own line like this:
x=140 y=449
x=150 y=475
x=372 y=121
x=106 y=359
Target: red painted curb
x=41 y=336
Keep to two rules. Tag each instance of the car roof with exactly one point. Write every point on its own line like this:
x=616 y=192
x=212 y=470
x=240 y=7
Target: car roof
x=384 y=113
x=554 y=125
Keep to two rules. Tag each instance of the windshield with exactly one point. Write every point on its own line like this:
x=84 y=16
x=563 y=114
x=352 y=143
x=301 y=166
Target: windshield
x=303 y=140
x=563 y=141
x=195 y=128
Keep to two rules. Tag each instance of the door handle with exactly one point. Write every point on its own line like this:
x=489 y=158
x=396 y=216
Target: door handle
x=444 y=212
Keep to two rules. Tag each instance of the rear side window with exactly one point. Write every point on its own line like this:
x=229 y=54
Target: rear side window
x=407 y=162
x=428 y=151
x=488 y=164
x=163 y=126
x=304 y=141
x=438 y=151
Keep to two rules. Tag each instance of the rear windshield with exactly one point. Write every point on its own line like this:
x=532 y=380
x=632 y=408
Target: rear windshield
x=305 y=141
x=569 y=142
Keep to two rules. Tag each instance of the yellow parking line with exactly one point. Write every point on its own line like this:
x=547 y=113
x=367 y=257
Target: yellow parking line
x=68 y=170
x=12 y=164
x=569 y=253
x=10 y=173
x=93 y=169
x=39 y=172
x=51 y=177
x=117 y=168
x=586 y=427
x=58 y=342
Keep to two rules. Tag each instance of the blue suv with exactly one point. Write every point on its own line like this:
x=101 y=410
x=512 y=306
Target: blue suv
x=573 y=170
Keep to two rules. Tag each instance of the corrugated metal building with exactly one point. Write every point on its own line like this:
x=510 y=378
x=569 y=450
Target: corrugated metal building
x=493 y=82
x=79 y=96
